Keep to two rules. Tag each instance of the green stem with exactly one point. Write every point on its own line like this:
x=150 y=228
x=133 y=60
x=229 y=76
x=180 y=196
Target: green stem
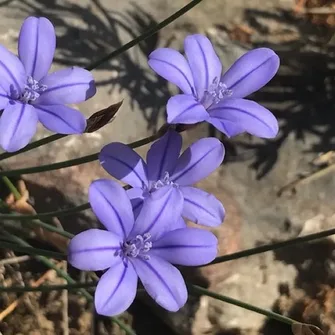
x=52 y=228
x=70 y=280
x=11 y=187
x=198 y=290
x=72 y=162
x=32 y=251
x=46 y=288
x=47 y=215
x=32 y=145
x=145 y=35
x=273 y=246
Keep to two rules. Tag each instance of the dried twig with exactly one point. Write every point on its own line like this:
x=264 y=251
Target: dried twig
x=13 y=260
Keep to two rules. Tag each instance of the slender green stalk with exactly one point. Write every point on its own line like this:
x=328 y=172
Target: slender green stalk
x=145 y=35
x=198 y=290
x=272 y=246
x=32 y=145
x=11 y=187
x=72 y=162
x=47 y=288
x=36 y=222
x=31 y=250
x=47 y=215
x=70 y=280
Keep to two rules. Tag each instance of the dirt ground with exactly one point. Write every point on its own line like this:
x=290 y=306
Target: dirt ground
x=271 y=190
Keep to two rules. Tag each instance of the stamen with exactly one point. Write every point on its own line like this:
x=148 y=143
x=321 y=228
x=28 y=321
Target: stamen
x=137 y=247
x=32 y=90
x=163 y=182
x=216 y=92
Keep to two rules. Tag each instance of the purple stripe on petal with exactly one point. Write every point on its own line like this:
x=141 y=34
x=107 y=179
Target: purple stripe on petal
x=247 y=115
x=163 y=282
x=198 y=161
x=116 y=289
x=94 y=250
x=179 y=247
x=13 y=79
x=112 y=206
x=159 y=212
x=55 y=88
x=183 y=108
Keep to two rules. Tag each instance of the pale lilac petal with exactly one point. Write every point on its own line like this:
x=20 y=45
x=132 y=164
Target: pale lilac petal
x=4 y=98
x=37 y=43
x=249 y=115
x=183 y=108
x=61 y=119
x=159 y=212
x=172 y=66
x=123 y=163
x=188 y=246
x=204 y=62
x=94 y=250
x=251 y=72
x=12 y=73
x=18 y=124
x=68 y=86
x=202 y=207
x=163 y=282
x=116 y=289
x=180 y=223
x=198 y=161
x=163 y=154
x=227 y=127
x=136 y=197
x=112 y=206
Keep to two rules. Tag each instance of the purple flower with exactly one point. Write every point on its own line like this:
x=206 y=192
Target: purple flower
x=213 y=97
x=28 y=94
x=165 y=167
x=144 y=248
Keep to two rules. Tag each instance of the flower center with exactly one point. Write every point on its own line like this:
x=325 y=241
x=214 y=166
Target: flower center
x=32 y=90
x=137 y=247
x=163 y=182
x=216 y=92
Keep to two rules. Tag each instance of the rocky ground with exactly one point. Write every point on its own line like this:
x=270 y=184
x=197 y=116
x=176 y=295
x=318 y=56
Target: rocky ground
x=298 y=281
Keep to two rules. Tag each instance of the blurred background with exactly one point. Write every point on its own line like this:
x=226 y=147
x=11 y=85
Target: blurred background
x=271 y=190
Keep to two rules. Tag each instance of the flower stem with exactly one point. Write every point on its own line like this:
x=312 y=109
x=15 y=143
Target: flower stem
x=73 y=162
x=47 y=288
x=145 y=35
x=272 y=246
x=70 y=280
x=32 y=145
x=47 y=215
x=32 y=251
x=11 y=187
x=198 y=290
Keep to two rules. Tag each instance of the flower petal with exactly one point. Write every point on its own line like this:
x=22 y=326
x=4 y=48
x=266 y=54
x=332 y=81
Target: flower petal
x=202 y=207
x=18 y=124
x=227 y=127
x=4 y=98
x=180 y=247
x=251 y=72
x=136 y=197
x=163 y=154
x=116 y=289
x=183 y=108
x=180 y=223
x=159 y=212
x=37 y=43
x=204 y=62
x=172 y=66
x=112 y=206
x=198 y=161
x=68 y=86
x=249 y=115
x=163 y=282
x=123 y=163
x=61 y=119
x=12 y=73
x=94 y=250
